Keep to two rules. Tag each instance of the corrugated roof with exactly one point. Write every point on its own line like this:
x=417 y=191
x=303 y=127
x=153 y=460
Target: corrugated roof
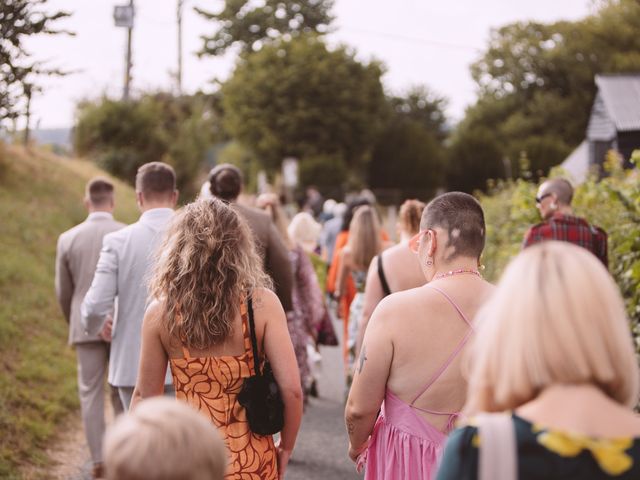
x=601 y=126
x=621 y=96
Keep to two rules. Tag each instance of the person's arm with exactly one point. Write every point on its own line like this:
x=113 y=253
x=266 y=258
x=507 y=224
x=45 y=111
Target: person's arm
x=63 y=281
x=372 y=295
x=369 y=382
x=344 y=268
x=279 y=267
x=153 y=357
x=279 y=351
x=99 y=300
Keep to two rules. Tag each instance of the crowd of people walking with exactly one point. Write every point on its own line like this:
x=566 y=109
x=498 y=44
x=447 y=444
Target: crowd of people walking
x=222 y=305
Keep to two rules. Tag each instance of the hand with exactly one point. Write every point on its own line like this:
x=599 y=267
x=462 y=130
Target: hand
x=283 y=460
x=107 y=329
x=354 y=453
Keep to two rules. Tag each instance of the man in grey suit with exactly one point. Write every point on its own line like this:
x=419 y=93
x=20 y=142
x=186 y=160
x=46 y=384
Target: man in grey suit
x=76 y=258
x=125 y=263
x=226 y=184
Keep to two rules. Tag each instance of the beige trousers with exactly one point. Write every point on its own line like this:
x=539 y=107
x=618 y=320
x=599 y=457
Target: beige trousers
x=93 y=364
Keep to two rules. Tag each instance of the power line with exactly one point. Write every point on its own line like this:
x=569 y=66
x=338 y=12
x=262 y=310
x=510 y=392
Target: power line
x=406 y=38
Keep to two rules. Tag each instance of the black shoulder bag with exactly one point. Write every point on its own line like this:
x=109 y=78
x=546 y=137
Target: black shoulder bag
x=260 y=394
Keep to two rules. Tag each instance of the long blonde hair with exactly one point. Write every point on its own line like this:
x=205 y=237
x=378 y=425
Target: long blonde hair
x=364 y=236
x=206 y=265
x=556 y=317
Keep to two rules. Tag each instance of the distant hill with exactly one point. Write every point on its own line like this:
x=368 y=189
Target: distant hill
x=40 y=197
x=53 y=136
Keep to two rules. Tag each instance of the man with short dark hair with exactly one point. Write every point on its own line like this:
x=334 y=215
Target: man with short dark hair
x=125 y=262
x=559 y=223
x=226 y=183
x=76 y=258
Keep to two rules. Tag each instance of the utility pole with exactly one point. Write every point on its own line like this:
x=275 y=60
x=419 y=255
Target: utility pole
x=179 y=72
x=127 y=75
x=28 y=92
x=123 y=16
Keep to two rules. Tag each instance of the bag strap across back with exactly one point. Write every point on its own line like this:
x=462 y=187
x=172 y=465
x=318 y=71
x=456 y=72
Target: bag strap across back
x=254 y=342
x=498 y=447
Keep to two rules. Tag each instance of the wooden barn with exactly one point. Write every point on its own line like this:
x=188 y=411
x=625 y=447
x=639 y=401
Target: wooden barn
x=614 y=124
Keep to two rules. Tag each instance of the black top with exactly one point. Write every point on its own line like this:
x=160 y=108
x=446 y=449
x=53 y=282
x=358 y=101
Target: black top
x=547 y=454
x=383 y=278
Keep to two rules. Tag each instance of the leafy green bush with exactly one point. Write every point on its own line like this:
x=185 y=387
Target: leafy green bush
x=612 y=203
x=121 y=136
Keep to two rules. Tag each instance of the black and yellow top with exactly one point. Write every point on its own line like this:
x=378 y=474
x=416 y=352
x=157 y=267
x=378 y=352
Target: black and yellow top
x=547 y=454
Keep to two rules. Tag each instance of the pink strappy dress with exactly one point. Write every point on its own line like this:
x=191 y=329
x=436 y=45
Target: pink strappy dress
x=404 y=446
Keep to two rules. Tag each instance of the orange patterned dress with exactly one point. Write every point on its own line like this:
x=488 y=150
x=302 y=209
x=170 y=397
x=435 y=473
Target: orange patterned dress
x=211 y=385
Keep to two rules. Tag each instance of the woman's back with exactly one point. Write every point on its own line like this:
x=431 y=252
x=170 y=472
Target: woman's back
x=401 y=268
x=210 y=381
x=433 y=324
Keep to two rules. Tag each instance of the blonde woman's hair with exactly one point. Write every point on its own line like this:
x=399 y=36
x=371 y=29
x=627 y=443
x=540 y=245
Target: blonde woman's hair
x=556 y=317
x=364 y=236
x=164 y=439
x=410 y=215
x=270 y=203
x=206 y=265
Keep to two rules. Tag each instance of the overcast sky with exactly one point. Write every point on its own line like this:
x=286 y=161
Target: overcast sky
x=420 y=42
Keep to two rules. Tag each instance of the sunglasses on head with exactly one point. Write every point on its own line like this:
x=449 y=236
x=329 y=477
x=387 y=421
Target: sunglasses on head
x=542 y=197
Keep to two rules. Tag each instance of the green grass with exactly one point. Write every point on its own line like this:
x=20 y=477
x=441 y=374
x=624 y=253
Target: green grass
x=40 y=197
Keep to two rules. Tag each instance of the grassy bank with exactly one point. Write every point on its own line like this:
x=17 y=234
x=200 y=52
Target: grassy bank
x=40 y=197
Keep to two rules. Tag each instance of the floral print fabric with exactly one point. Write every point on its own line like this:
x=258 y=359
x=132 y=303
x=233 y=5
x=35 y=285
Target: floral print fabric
x=547 y=453
x=211 y=385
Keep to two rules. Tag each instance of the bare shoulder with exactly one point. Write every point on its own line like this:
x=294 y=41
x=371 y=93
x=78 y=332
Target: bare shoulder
x=154 y=314
x=396 y=306
x=265 y=300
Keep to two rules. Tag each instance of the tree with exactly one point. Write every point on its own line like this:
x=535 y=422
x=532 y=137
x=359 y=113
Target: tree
x=299 y=99
x=536 y=82
x=122 y=136
x=18 y=72
x=408 y=158
x=250 y=24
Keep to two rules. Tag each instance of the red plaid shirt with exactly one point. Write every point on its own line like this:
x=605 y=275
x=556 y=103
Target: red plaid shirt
x=568 y=228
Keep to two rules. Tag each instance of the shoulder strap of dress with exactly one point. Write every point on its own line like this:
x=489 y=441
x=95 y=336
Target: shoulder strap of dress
x=453 y=354
x=383 y=278
x=254 y=342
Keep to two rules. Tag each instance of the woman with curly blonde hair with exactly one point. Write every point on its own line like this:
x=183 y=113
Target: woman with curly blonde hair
x=207 y=282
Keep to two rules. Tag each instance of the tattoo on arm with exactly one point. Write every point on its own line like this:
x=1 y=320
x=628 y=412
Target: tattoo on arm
x=363 y=358
x=350 y=427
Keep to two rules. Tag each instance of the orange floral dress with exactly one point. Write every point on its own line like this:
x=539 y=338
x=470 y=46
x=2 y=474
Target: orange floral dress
x=211 y=385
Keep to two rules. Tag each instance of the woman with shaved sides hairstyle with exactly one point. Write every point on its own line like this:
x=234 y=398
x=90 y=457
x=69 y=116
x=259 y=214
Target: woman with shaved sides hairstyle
x=409 y=365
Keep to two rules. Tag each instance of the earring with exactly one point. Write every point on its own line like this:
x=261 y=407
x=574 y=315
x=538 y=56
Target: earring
x=429 y=262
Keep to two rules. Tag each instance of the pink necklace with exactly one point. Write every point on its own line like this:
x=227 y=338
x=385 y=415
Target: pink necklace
x=456 y=272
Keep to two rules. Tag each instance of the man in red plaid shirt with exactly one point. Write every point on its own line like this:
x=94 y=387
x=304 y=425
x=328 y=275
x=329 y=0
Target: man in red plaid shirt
x=559 y=223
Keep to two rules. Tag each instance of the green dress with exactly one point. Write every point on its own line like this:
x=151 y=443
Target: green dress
x=545 y=454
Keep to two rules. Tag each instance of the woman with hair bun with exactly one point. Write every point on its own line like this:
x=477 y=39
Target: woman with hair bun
x=207 y=283
x=309 y=309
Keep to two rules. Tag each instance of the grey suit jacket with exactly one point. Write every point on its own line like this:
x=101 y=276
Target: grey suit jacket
x=76 y=258
x=125 y=263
